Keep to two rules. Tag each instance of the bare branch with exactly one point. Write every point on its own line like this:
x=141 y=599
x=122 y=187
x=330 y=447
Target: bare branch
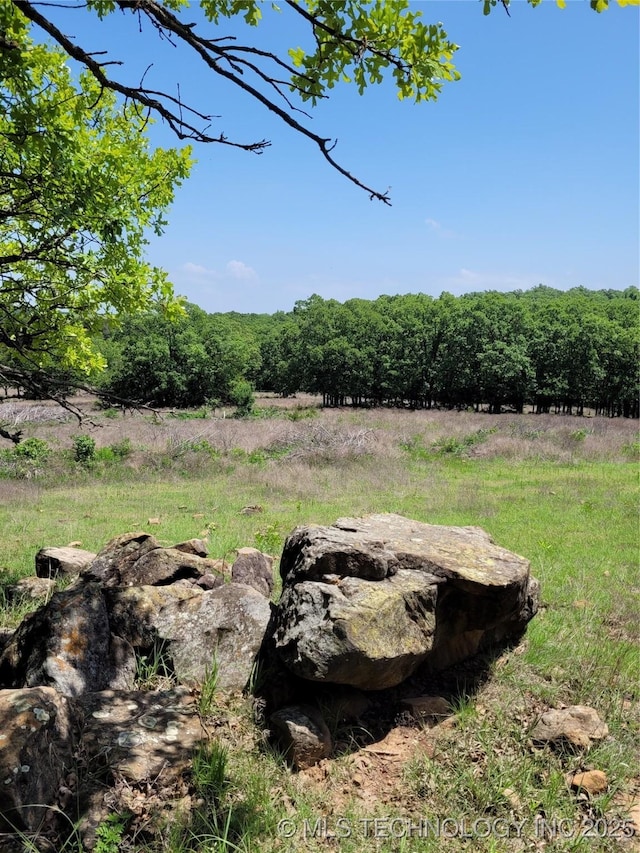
x=213 y=53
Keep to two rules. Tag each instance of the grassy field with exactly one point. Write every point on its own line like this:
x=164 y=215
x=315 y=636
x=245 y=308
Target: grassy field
x=561 y=491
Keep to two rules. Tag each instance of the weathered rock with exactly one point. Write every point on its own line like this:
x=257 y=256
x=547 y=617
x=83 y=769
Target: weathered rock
x=575 y=727
x=367 y=634
x=226 y=624
x=38 y=729
x=199 y=547
x=118 y=556
x=208 y=581
x=164 y=566
x=67 y=644
x=142 y=735
x=302 y=734
x=51 y=562
x=30 y=587
x=366 y=601
x=255 y=569
x=133 y=611
x=427 y=707
x=592 y=781
x=194 y=627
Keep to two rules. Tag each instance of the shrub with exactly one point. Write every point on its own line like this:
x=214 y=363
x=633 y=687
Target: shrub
x=34 y=450
x=121 y=449
x=241 y=396
x=84 y=449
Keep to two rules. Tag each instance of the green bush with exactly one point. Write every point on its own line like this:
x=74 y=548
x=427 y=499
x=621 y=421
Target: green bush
x=241 y=396
x=33 y=450
x=84 y=449
x=25 y=460
x=121 y=449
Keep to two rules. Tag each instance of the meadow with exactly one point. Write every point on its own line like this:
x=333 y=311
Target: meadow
x=561 y=491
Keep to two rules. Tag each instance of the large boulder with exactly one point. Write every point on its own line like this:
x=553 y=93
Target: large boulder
x=197 y=630
x=367 y=601
x=118 y=556
x=222 y=628
x=137 y=559
x=141 y=734
x=38 y=740
x=67 y=644
x=164 y=566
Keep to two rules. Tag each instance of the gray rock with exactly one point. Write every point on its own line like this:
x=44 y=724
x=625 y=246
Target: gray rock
x=118 y=555
x=366 y=601
x=133 y=611
x=427 y=708
x=30 y=587
x=226 y=624
x=194 y=627
x=199 y=547
x=163 y=566
x=141 y=734
x=575 y=727
x=66 y=644
x=51 y=562
x=369 y=634
x=255 y=569
x=302 y=734
x=38 y=730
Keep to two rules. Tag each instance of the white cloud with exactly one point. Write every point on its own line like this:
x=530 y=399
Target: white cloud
x=240 y=270
x=236 y=270
x=197 y=269
x=438 y=229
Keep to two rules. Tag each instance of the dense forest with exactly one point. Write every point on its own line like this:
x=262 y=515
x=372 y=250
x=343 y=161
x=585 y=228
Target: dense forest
x=552 y=350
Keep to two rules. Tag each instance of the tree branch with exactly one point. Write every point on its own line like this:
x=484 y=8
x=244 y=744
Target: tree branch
x=211 y=52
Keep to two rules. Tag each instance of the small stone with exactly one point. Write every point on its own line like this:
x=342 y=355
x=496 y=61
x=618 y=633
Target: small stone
x=591 y=781
x=512 y=798
x=153 y=521
x=575 y=727
x=303 y=735
x=427 y=707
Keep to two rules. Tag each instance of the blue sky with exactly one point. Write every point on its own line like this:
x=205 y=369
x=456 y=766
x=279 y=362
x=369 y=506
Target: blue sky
x=523 y=172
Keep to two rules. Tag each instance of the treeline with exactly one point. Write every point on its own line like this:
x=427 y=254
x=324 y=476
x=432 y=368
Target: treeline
x=554 y=350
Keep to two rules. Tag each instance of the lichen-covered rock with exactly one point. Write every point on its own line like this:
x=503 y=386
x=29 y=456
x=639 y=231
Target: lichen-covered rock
x=364 y=633
x=255 y=569
x=118 y=556
x=140 y=734
x=164 y=566
x=66 y=644
x=368 y=600
x=222 y=627
x=38 y=738
x=51 y=562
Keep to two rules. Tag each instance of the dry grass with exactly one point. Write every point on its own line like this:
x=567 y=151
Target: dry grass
x=340 y=431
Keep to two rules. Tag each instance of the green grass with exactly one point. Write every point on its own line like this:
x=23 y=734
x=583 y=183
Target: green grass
x=576 y=521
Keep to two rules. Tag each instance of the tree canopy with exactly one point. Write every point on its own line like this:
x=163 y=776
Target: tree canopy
x=79 y=185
